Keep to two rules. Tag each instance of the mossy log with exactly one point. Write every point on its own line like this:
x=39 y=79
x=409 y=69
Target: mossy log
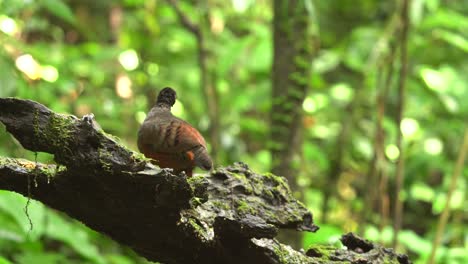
x=230 y=215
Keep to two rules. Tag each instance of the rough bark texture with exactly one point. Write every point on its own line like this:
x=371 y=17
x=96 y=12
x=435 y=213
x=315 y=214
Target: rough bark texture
x=228 y=216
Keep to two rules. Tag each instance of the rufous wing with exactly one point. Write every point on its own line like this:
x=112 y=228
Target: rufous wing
x=175 y=136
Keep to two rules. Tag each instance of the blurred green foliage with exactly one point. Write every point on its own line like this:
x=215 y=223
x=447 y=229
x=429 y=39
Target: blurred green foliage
x=111 y=57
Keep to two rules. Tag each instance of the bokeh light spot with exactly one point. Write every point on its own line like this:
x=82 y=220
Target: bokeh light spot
x=392 y=152
x=140 y=116
x=152 y=69
x=434 y=79
x=241 y=5
x=178 y=109
x=433 y=146
x=123 y=86
x=49 y=73
x=309 y=105
x=29 y=66
x=8 y=25
x=342 y=92
x=129 y=59
x=409 y=127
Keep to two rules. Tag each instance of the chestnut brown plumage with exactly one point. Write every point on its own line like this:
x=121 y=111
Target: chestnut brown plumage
x=170 y=141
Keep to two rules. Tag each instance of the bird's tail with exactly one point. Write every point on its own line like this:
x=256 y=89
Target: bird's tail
x=202 y=159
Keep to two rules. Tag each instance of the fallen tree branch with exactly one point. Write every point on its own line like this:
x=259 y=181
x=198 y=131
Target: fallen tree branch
x=229 y=216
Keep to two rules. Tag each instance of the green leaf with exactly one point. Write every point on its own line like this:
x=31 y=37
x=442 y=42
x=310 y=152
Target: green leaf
x=434 y=79
x=7 y=78
x=373 y=233
x=118 y=259
x=230 y=54
x=4 y=260
x=327 y=60
x=314 y=153
x=359 y=48
x=13 y=204
x=59 y=9
x=449 y=19
x=454 y=39
x=75 y=235
x=421 y=191
x=329 y=234
x=457 y=255
x=432 y=5
x=414 y=242
x=40 y=257
x=416 y=11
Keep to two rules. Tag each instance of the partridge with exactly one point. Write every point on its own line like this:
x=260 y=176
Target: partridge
x=170 y=141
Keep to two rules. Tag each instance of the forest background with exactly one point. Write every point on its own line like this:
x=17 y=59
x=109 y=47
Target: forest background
x=111 y=58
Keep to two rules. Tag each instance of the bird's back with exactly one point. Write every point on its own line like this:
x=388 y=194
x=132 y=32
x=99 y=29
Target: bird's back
x=172 y=142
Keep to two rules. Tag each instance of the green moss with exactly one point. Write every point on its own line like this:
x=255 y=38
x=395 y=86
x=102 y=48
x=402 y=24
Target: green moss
x=282 y=254
x=199 y=230
x=196 y=180
x=244 y=181
x=281 y=117
x=322 y=251
x=221 y=205
x=287 y=255
x=276 y=145
x=269 y=194
x=280 y=100
x=301 y=62
x=139 y=156
x=57 y=133
x=390 y=260
x=33 y=167
x=299 y=79
x=104 y=156
x=48 y=171
x=280 y=130
x=278 y=179
x=3 y=161
x=244 y=208
x=239 y=176
x=271 y=216
x=195 y=201
x=196 y=226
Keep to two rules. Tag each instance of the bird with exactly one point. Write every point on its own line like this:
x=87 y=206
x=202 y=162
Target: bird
x=170 y=141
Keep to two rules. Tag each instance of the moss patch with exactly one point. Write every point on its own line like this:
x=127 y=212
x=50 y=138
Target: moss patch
x=320 y=251
x=243 y=207
x=104 y=156
x=58 y=131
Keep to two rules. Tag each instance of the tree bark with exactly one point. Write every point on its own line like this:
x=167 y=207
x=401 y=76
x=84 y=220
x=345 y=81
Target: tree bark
x=292 y=58
x=400 y=166
x=230 y=215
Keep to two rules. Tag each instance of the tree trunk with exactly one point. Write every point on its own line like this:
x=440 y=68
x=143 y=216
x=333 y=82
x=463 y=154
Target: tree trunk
x=290 y=79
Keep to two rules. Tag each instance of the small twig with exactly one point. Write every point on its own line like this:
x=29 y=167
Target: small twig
x=400 y=111
x=381 y=162
x=186 y=22
x=453 y=184
x=209 y=90
x=377 y=171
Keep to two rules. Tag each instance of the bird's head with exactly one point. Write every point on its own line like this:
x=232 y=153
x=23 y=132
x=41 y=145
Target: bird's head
x=166 y=96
